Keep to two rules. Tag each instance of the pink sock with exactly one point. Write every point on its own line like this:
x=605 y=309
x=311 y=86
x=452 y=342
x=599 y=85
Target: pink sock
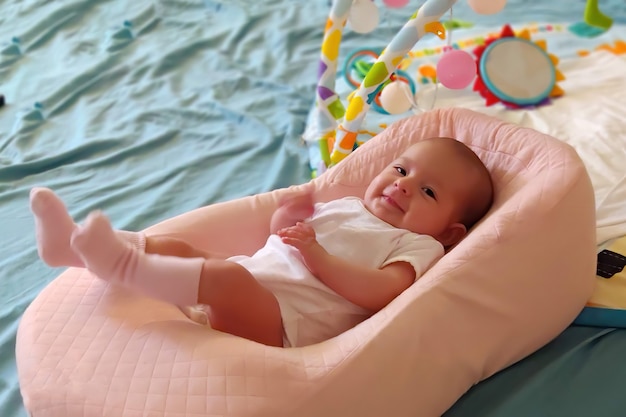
x=111 y=258
x=54 y=227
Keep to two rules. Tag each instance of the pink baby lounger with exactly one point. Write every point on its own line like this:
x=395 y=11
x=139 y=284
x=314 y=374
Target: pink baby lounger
x=86 y=348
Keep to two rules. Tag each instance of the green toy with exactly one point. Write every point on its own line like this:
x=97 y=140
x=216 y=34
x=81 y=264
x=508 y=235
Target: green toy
x=594 y=17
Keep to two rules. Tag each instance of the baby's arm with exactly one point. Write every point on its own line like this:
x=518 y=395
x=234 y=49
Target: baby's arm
x=292 y=209
x=366 y=287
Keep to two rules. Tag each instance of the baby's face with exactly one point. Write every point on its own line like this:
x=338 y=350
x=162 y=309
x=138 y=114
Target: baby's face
x=423 y=191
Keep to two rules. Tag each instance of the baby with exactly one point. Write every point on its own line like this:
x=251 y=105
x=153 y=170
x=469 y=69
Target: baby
x=325 y=267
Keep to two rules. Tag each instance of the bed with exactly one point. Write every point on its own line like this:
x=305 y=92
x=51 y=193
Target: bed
x=153 y=109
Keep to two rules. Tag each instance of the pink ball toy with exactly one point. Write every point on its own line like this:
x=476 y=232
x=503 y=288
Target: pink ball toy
x=395 y=3
x=486 y=6
x=456 y=69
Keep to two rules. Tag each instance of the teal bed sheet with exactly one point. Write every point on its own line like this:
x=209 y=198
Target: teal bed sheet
x=580 y=374
x=151 y=108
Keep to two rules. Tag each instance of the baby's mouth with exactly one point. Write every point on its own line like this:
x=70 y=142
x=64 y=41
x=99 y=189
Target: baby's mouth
x=392 y=202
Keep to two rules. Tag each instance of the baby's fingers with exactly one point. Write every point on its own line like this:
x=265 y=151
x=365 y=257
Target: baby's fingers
x=305 y=228
x=296 y=243
x=292 y=232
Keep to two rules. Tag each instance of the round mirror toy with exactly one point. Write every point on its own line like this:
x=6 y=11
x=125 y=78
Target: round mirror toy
x=508 y=61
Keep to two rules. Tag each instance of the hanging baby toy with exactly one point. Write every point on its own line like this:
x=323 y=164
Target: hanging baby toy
x=335 y=128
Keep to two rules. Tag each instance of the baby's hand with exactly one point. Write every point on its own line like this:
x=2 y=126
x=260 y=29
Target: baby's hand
x=302 y=237
x=295 y=207
x=299 y=206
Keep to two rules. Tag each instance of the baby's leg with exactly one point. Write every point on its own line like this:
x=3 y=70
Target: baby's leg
x=54 y=227
x=112 y=259
x=238 y=303
x=167 y=245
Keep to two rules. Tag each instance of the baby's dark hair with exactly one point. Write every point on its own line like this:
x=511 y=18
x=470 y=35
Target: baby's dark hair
x=480 y=200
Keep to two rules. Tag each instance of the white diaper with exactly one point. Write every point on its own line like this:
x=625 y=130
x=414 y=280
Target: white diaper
x=198 y=314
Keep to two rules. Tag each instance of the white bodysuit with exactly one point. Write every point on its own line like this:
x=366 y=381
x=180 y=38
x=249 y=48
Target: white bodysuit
x=311 y=311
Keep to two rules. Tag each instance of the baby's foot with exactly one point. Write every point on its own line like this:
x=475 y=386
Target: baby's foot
x=99 y=248
x=114 y=259
x=53 y=229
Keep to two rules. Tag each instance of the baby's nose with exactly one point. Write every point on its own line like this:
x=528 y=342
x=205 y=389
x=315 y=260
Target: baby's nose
x=401 y=185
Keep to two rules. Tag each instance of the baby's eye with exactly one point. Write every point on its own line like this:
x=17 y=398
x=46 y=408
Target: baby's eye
x=401 y=171
x=429 y=192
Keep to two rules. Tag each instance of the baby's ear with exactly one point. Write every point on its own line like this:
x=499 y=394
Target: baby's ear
x=452 y=235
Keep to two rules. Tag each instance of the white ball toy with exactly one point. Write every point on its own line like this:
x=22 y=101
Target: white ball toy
x=396 y=97
x=364 y=16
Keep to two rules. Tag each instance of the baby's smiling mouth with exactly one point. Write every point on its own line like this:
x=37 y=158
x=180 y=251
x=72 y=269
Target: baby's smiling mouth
x=392 y=202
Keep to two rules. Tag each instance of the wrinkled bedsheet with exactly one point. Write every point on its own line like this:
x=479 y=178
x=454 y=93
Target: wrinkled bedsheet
x=148 y=109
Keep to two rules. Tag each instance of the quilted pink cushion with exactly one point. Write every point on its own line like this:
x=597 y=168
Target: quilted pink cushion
x=520 y=277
